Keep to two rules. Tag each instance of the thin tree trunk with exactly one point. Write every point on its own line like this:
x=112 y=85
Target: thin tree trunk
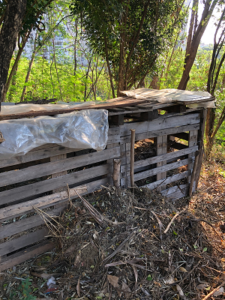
x=194 y=37
x=29 y=67
x=9 y=32
x=54 y=58
x=15 y=66
x=108 y=66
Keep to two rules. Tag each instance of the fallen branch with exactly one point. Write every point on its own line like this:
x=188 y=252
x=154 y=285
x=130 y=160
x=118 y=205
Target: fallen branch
x=213 y=291
x=119 y=248
x=170 y=223
x=160 y=223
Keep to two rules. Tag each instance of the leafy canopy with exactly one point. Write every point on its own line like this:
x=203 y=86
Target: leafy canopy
x=130 y=34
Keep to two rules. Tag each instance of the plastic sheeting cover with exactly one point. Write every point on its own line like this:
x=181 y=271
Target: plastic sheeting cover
x=86 y=129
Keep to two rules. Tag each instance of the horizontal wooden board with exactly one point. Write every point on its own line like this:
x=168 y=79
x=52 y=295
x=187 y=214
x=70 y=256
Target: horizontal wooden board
x=23 y=241
x=152 y=172
x=27 y=223
x=164 y=157
x=166 y=181
x=160 y=123
x=46 y=201
x=157 y=133
x=175 y=194
x=24 y=255
x=173 y=189
x=50 y=150
x=50 y=184
x=11 y=177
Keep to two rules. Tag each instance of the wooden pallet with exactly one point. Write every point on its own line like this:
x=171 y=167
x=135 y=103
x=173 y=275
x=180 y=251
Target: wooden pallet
x=39 y=178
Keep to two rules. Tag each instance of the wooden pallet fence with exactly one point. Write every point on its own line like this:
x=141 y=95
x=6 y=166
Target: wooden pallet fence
x=39 y=178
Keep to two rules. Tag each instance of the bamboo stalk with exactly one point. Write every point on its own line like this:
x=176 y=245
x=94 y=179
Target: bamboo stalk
x=132 y=141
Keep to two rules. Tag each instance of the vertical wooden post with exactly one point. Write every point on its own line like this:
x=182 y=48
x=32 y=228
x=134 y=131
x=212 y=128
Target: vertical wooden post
x=132 y=142
x=116 y=172
x=161 y=149
x=201 y=145
x=193 y=138
x=57 y=158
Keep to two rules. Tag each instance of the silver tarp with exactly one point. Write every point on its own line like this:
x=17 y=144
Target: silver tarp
x=85 y=129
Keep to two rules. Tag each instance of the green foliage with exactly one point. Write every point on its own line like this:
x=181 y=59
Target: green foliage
x=130 y=34
x=33 y=16
x=26 y=290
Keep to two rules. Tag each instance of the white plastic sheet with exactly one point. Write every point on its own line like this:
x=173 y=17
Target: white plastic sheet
x=86 y=129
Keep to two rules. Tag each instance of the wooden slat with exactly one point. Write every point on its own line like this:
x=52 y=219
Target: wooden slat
x=23 y=241
x=50 y=150
x=27 y=223
x=24 y=255
x=166 y=181
x=173 y=189
x=152 y=172
x=175 y=193
x=161 y=149
x=46 y=201
x=40 y=187
x=161 y=123
x=29 y=173
x=167 y=131
x=122 y=103
x=164 y=157
x=193 y=138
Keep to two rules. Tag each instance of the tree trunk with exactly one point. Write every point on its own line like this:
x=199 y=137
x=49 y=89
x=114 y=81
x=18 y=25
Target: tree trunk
x=10 y=29
x=29 y=67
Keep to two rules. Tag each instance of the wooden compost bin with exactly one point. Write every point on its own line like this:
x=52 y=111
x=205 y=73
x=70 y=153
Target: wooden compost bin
x=39 y=179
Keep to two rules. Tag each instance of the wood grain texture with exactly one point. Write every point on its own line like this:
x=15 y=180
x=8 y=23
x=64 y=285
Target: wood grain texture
x=24 y=255
x=193 y=140
x=29 y=173
x=164 y=157
x=152 y=172
x=160 y=123
x=167 y=131
x=161 y=149
x=27 y=223
x=166 y=181
x=23 y=241
x=50 y=150
x=46 y=201
x=26 y=191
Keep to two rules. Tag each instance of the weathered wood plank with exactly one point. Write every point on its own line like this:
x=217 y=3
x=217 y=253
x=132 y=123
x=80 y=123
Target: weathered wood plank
x=152 y=172
x=193 y=139
x=179 y=193
x=23 y=241
x=173 y=189
x=166 y=181
x=46 y=201
x=24 y=255
x=122 y=103
x=50 y=150
x=11 y=177
x=27 y=223
x=167 y=131
x=164 y=157
x=59 y=174
x=40 y=187
x=161 y=123
x=161 y=149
